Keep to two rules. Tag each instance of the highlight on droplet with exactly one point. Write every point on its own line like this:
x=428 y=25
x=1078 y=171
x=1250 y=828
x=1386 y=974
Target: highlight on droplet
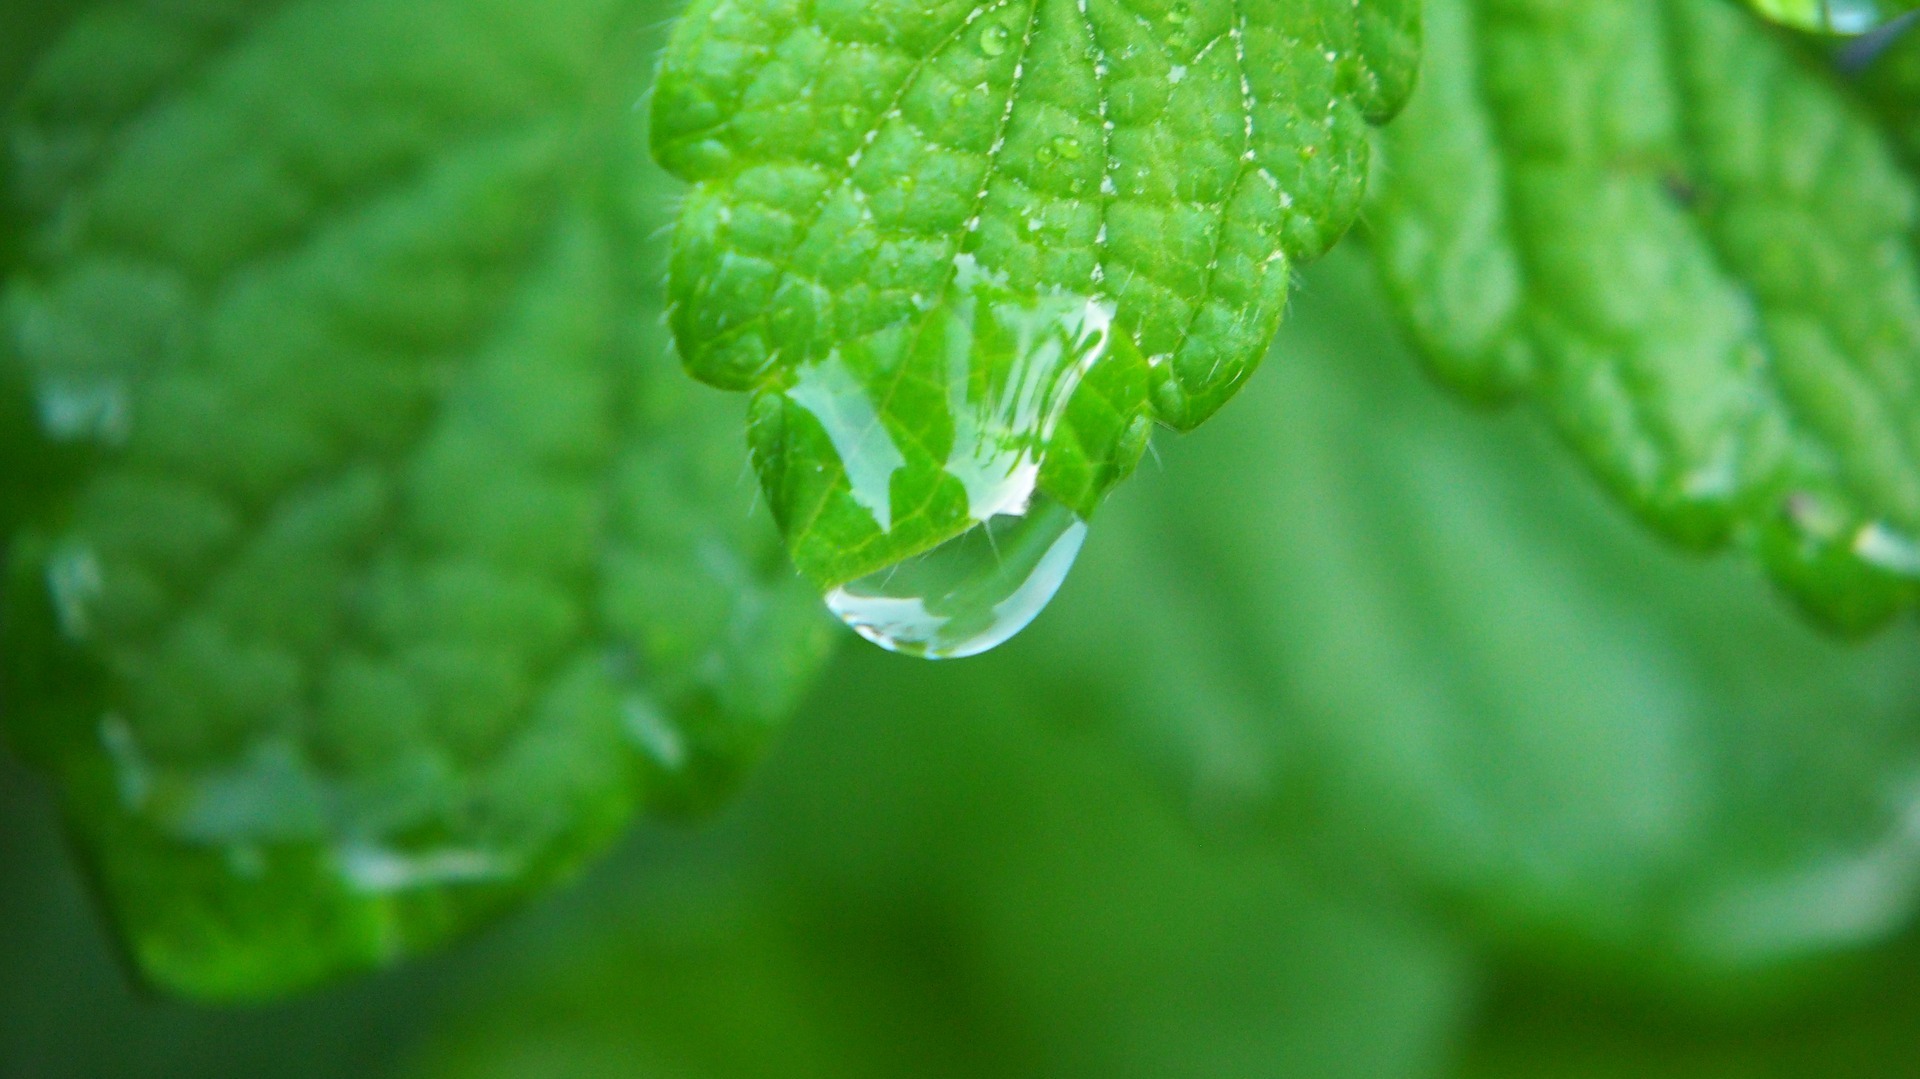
x=971 y=593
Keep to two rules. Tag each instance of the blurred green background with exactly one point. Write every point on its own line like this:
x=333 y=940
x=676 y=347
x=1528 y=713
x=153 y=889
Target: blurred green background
x=1368 y=740
x=1399 y=753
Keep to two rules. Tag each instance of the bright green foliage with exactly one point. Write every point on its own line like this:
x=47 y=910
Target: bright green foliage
x=1832 y=16
x=1425 y=649
x=1676 y=230
x=958 y=249
x=969 y=892
x=399 y=567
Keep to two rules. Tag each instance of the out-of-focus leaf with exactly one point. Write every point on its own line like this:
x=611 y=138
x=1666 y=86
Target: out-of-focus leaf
x=31 y=25
x=1885 y=72
x=1869 y=1029
x=1431 y=653
x=1833 y=16
x=961 y=249
x=933 y=880
x=402 y=568
x=1680 y=234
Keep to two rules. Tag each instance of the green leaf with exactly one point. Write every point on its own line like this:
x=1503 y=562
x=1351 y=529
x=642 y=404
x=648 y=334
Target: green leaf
x=964 y=251
x=1426 y=651
x=402 y=567
x=1679 y=233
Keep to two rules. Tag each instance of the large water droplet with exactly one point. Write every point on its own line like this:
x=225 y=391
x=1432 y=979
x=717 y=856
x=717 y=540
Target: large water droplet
x=940 y=444
x=973 y=592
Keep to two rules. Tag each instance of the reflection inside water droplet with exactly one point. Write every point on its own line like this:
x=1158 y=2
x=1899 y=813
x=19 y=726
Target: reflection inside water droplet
x=970 y=594
x=1005 y=413
x=845 y=411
